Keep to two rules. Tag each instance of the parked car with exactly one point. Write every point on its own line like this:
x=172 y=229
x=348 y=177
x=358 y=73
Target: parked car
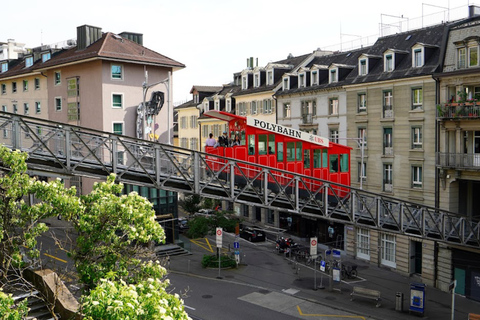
x=205 y=213
x=252 y=234
x=182 y=224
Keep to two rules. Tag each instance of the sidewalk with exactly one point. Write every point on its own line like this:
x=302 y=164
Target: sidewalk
x=388 y=283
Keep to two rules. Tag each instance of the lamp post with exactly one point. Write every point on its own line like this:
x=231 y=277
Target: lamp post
x=147 y=86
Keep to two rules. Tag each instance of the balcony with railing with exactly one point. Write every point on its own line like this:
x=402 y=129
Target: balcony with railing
x=307 y=119
x=461 y=111
x=458 y=160
x=387 y=111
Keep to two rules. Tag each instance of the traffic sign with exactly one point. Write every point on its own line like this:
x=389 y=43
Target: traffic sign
x=236 y=245
x=313 y=246
x=219 y=233
x=322 y=266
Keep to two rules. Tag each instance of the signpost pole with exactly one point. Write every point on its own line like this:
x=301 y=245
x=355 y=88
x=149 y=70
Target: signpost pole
x=313 y=254
x=219 y=234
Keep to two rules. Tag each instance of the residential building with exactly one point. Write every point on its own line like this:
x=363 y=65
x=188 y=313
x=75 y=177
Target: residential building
x=458 y=149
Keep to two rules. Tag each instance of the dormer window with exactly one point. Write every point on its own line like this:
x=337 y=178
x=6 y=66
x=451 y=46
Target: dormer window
x=417 y=58
x=28 y=62
x=205 y=106
x=467 y=53
x=270 y=77
x=473 y=56
x=217 y=105
x=333 y=76
x=196 y=98
x=388 y=62
x=4 y=67
x=46 y=56
x=301 y=80
x=314 y=77
x=256 y=80
x=244 y=82
x=229 y=105
x=362 y=67
x=286 y=83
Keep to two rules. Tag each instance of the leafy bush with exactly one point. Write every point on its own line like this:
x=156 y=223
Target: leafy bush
x=211 y=261
x=198 y=227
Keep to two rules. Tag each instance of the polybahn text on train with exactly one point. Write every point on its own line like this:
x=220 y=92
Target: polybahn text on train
x=256 y=141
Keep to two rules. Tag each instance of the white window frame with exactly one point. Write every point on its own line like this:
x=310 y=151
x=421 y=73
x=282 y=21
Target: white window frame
x=28 y=62
x=256 y=80
x=314 y=77
x=362 y=137
x=469 y=55
x=302 y=80
x=333 y=106
x=253 y=108
x=36 y=83
x=362 y=102
x=4 y=67
x=46 y=56
x=389 y=64
x=461 y=58
x=363 y=68
x=334 y=135
x=244 y=82
x=363 y=243
x=228 y=106
x=287 y=110
x=388 y=247
x=418 y=57
x=286 y=83
x=122 y=100
x=417 y=177
x=123 y=127
x=217 y=105
x=56 y=81
x=417 y=98
x=387 y=176
x=417 y=137
x=111 y=72
x=333 y=75
x=270 y=77
x=58 y=106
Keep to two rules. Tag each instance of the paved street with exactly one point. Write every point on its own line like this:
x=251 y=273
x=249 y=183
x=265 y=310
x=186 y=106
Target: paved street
x=271 y=286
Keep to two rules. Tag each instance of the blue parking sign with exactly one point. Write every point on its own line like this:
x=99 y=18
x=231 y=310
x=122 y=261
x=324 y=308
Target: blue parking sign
x=236 y=245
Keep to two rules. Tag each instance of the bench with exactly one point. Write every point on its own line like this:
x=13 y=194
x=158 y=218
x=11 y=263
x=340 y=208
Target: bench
x=366 y=293
x=473 y=316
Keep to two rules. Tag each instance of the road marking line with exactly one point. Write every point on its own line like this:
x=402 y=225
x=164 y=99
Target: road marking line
x=185 y=306
x=53 y=257
x=201 y=244
x=327 y=315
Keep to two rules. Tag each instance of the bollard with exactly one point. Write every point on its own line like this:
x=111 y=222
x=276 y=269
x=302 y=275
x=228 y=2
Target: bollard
x=399 y=301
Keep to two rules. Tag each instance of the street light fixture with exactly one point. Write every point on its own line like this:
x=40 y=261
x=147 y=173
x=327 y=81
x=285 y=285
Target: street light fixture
x=147 y=86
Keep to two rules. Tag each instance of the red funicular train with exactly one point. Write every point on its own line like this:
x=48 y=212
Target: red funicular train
x=283 y=148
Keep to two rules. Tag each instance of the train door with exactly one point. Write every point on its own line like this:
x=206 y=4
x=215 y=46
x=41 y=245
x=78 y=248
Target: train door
x=320 y=164
x=294 y=156
x=266 y=149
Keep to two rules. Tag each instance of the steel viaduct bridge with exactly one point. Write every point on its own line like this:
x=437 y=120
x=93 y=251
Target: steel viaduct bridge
x=58 y=149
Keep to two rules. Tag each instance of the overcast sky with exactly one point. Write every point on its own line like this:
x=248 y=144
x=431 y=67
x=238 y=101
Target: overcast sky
x=213 y=38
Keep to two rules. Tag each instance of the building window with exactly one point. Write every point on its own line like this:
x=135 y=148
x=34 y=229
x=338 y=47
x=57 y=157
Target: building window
x=15 y=108
x=362 y=137
x=333 y=107
x=417 y=177
x=286 y=110
x=314 y=77
x=363 y=243
x=117 y=72
x=253 y=108
x=4 y=88
x=362 y=67
x=72 y=87
x=286 y=83
x=309 y=110
x=38 y=107
x=257 y=80
x=73 y=111
x=46 y=56
x=14 y=87
x=301 y=80
x=245 y=82
x=387 y=177
x=417 y=58
x=270 y=77
x=242 y=108
x=333 y=76
x=58 y=78
x=417 y=139
x=388 y=244
x=473 y=56
x=28 y=62
x=117 y=100
x=193 y=122
x=25 y=85
x=267 y=106
x=5 y=131
x=417 y=99
x=362 y=173
x=387 y=104
x=58 y=104
x=4 y=67
x=387 y=142
x=37 y=83
x=118 y=128
x=334 y=135
x=388 y=63
x=461 y=58
x=26 y=109
x=4 y=108
x=362 y=102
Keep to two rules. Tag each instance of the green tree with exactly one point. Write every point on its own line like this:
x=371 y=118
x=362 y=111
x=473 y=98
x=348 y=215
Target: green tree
x=10 y=311
x=24 y=201
x=115 y=232
x=191 y=204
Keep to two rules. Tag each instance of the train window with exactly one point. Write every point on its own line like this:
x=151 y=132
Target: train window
x=280 y=151
x=271 y=144
x=317 y=158
x=290 y=151
x=344 y=162
x=334 y=163
x=262 y=144
x=306 y=159
x=251 y=144
x=299 y=151
x=324 y=158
